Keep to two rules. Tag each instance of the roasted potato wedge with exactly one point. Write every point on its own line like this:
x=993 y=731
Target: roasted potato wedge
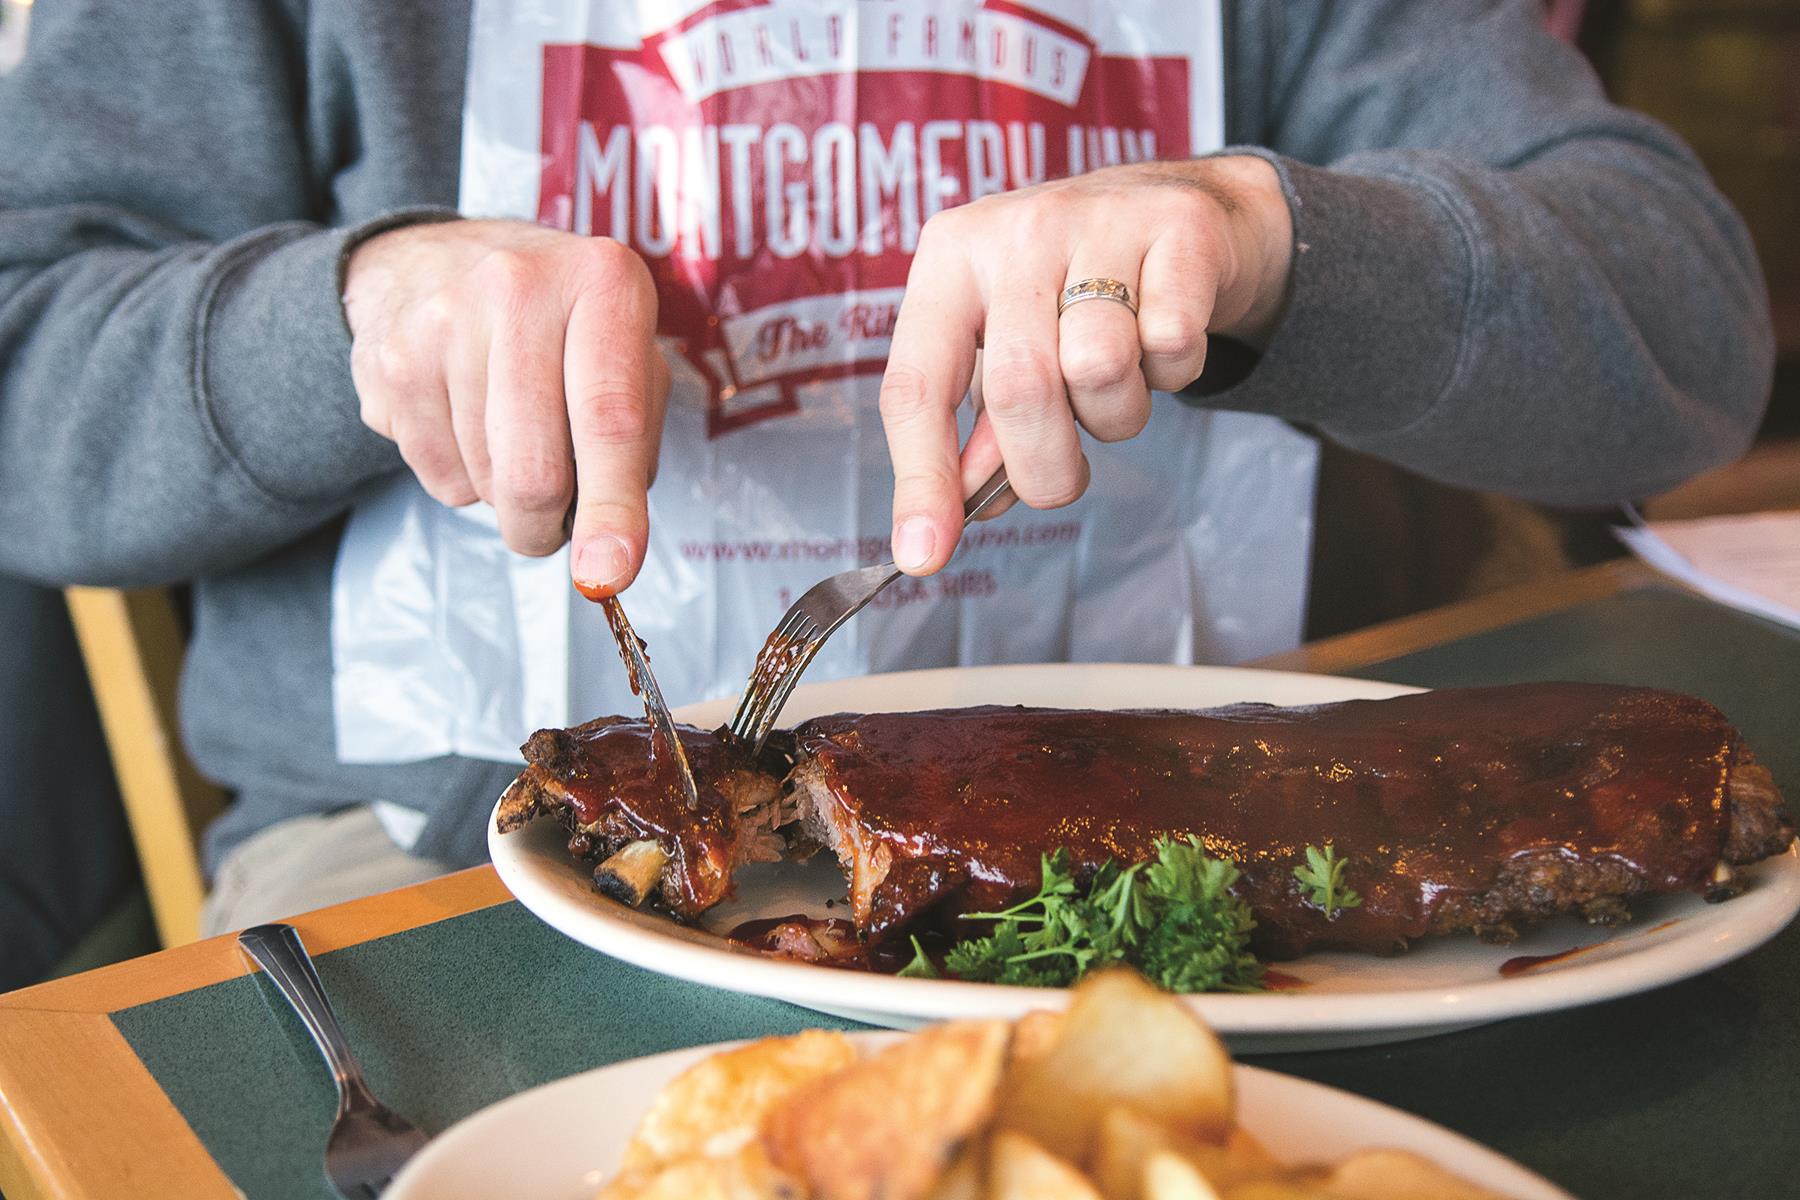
x=1280 y=1189
x=715 y=1106
x=1249 y=1155
x=963 y=1178
x=1127 y=1140
x=1124 y=1141
x=1122 y=1042
x=887 y=1126
x=1124 y=1096
x=1397 y=1175
x=1034 y=1033
x=746 y=1174
x=1168 y=1176
x=1020 y=1169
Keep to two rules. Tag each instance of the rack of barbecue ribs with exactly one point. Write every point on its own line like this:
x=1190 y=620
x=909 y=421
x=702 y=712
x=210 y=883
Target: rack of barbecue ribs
x=1485 y=809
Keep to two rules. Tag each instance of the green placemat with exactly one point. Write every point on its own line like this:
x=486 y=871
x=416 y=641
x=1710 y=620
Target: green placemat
x=447 y=1018
x=1692 y=1090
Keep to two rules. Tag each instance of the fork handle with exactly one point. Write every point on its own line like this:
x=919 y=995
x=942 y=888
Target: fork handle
x=281 y=954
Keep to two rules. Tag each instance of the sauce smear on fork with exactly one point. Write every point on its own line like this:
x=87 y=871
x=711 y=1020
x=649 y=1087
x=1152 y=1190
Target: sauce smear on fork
x=776 y=658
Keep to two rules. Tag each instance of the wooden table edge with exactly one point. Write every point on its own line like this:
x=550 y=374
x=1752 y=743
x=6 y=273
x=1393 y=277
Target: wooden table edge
x=72 y=1144
x=1509 y=606
x=59 y=1036
x=215 y=960
x=75 y=1013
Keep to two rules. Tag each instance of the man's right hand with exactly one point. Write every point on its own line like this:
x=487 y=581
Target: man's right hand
x=517 y=365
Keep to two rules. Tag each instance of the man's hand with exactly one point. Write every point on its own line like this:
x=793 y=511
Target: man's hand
x=517 y=365
x=1204 y=247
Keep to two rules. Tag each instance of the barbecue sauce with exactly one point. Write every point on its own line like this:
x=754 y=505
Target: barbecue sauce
x=1522 y=963
x=615 y=621
x=827 y=941
x=1425 y=798
x=1525 y=962
x=609 y=766
x=778 y=656
x=1281 y=981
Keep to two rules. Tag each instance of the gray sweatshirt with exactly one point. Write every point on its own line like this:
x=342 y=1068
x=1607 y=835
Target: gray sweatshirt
x=1500 y=280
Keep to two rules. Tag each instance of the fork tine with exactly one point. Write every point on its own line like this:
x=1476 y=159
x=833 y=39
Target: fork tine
x=804 y=635
x=794 y=625
x=784 y=687
x=756 y=719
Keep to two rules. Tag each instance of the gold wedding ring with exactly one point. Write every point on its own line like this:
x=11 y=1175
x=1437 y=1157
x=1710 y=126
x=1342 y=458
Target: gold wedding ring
x=1095 y=289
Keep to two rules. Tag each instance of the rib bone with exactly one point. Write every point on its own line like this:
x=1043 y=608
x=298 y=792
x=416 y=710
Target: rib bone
x=629 y=874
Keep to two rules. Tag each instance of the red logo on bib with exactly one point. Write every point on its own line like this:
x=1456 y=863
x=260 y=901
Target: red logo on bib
x=774 y=167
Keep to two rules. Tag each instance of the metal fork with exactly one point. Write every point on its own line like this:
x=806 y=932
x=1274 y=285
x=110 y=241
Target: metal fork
x=815 y=617
x=369 y=1141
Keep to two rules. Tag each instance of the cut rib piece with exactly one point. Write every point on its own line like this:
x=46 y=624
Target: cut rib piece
x=1486 y=810
x=625 y=810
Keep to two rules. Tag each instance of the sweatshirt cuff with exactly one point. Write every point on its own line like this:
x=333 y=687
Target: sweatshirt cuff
x=1379 y=299
x=358 y=234
x=273 y=363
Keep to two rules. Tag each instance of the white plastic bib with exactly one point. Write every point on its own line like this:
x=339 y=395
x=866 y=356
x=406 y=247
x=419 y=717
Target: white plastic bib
x=774 y=162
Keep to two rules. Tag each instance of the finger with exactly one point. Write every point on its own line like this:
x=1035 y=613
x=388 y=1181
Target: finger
x=930 y=363
x=403 y=399
x=1100 y=356
x=527 y=425
x=422 y=430
x=466 y=381
x=660 y=381
x=368 y=374
x=1022 y=387
x=1180 y=280
x=615 y=406
x=980 y=459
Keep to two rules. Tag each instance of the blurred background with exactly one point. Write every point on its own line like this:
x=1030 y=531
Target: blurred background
x=1725 y=74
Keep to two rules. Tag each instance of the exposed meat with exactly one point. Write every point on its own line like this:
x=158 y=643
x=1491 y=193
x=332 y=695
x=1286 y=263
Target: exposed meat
x=625 y=809
x=1483 y=809
x=829 y=941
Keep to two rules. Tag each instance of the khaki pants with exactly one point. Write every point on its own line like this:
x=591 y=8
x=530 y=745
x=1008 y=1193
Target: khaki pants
x=306 y=863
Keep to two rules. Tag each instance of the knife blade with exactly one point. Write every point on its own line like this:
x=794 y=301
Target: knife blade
x=643 y=683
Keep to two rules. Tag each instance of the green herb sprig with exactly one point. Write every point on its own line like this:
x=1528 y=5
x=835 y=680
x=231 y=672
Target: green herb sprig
x=920 y=967
x=1323 y=879
x=1173 y=918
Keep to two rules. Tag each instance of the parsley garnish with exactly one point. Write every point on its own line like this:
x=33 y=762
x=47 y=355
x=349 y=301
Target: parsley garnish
x=1323 y=879
x=1173 y=918
x=920 y=967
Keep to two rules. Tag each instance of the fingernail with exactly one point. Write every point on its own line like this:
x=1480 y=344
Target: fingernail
x=913 y=543
x=601 y=561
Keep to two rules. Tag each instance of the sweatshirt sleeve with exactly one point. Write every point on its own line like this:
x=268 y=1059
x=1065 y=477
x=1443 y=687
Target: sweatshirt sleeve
x=1500 y=280
x=175 y=395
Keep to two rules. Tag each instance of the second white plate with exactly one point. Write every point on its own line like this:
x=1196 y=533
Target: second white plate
x=563 y=1140
x=1341 y=1000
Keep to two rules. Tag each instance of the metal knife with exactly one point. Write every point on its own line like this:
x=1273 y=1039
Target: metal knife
x=643 y=683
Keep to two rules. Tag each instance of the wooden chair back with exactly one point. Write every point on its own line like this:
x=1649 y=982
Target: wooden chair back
x=132 y=643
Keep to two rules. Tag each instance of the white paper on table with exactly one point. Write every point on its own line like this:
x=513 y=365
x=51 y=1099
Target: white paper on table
x=1750 y=562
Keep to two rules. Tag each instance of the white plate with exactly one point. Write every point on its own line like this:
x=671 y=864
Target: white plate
x=1348 y=999
x=562 y=1140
